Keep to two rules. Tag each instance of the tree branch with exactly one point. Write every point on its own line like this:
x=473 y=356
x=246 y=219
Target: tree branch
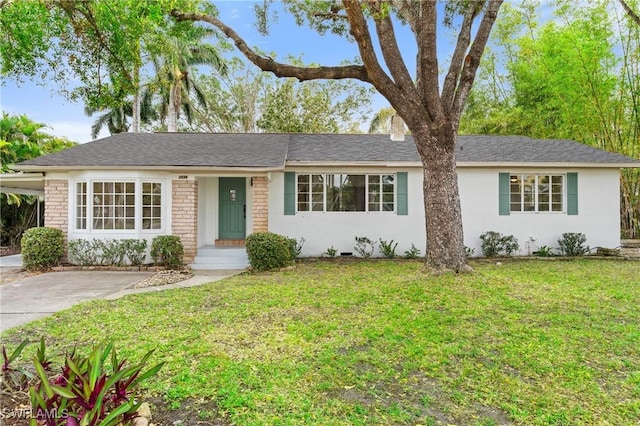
x=277 y=68
x=427 y=60
x=455 y=67
x=380 y=80
x=390 y=51
x=472 y=60
x=630 y=12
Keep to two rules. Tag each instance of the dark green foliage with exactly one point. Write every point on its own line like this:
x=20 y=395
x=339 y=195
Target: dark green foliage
x=42 y=247
x=107 y=252
x=544 y=251
x=364 y=247
x=98 y=389
x=330 y=252
x=469 y=252
x=167 y=250
x=573 y=244
x=296 y=246
x=268 y=251
x=388 y=248
x=495 y=244
x=412 y=253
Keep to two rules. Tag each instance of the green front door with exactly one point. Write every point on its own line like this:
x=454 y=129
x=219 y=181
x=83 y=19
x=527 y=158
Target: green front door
x=233 y=208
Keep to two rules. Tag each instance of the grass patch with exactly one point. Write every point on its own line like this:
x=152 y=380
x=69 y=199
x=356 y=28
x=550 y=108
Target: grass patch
x=381 y=343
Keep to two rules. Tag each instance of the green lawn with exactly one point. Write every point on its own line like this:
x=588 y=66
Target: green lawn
x=530 y=342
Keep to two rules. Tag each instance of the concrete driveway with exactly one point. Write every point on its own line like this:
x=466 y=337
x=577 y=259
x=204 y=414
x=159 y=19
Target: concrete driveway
x=35 y=297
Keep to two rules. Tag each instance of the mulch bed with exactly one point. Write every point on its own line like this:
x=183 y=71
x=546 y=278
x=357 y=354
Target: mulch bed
x=9 y=250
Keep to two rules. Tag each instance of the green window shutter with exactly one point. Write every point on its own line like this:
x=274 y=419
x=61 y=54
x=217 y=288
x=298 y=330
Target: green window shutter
x=289 y=193
x=504 y=194
x=572 y=193
x=402 y=207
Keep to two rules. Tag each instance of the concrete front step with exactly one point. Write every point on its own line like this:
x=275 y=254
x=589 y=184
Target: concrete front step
x=210 y=257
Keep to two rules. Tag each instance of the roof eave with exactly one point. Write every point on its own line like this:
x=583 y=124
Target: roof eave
x=565 y=164
x=190 y=169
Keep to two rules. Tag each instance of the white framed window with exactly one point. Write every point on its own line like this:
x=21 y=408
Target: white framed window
x=341 y=192
x=151 y=205
x=81 y=205
x=536 y=193
x=118 y=205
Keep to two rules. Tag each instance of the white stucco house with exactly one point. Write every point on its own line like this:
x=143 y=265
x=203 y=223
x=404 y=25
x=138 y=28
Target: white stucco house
x=213 y=190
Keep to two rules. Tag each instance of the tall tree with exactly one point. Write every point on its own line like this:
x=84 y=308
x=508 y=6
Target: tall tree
x=432 y=115
x=577 y=77
x=179 y=51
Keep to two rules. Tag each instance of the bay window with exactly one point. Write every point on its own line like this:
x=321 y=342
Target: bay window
x=118 y=205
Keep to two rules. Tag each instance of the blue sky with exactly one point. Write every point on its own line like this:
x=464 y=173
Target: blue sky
x=40 y=101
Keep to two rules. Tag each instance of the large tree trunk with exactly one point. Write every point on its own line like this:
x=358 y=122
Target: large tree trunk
x=443 y=216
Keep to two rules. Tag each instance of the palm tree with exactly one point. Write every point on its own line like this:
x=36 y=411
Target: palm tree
x=381 y=121
x=116 y=118
x=182 y=53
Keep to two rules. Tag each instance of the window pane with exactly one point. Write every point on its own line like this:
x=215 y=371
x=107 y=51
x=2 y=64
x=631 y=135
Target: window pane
x=529 y=187
x=81 y=205
x=515 y=187
x=345 y=193
x=151 y=205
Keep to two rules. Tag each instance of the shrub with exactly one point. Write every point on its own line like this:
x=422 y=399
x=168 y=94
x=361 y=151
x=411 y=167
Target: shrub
x=167 y=250
x=495 y=244
x=412 y=253
x=98 y=389
x=268 y=251
x=388 y=248
x=544 y=251
x=42 y=247
x=107 y=252
x=135 y=250
x=330 y=252
x=572 y=244
x=296 y=246
x=469 y=252
x=83 y=252
x=364 y=247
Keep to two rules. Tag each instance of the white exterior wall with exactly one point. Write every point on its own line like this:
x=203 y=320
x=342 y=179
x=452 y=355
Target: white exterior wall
x=322 y=230
x=598 y=214
x=598 y=210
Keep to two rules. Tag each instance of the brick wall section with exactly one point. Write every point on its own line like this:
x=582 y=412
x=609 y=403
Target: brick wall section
x=56 y=207
x=184 y=216
x=260 y=211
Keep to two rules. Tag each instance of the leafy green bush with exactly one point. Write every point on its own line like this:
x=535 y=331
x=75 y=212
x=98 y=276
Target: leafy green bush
x=296 y=246
x=268 y=251
x=167 y=250
x=544 y=251
x=495 y=244
x=82 y=252
x=42 y=247
x=469 y=251
x=135 y=250
x=572 y=244
x=364 y=247
x=412 y=253
x=388 y=248
x=330 y=252
x=107 y=252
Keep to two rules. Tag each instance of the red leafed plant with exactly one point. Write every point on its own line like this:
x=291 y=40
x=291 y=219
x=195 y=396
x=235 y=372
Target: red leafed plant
x=88 y=391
